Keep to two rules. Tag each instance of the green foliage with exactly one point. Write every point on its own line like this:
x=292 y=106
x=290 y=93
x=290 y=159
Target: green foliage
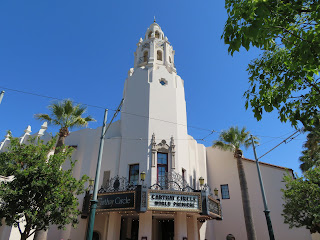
x=311 y=154
x=285 y=77
x=233 y=138
x=41 y=192
x=66 y=115
x=302 y=200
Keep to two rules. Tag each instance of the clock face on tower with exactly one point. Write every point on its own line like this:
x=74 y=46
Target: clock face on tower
x=163 y=81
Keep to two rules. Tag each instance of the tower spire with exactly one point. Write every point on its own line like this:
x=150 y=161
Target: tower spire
x=154 y=18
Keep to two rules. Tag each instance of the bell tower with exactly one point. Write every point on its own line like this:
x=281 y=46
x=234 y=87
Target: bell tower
x=153 y=118
x=154 y=49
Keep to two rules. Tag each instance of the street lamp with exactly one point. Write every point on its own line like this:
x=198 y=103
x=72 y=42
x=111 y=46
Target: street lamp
x=142 y=176
x=91 y=182
x=201 y=180
x=216 y=192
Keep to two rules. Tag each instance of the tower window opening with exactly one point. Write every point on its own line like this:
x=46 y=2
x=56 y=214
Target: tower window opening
x=169 y=59
x=149 y=35
x=145 y=56
x=157 y=34
x=159 y=55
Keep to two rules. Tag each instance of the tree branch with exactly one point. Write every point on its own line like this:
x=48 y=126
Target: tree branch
x=32 y=233
x=19 y=228
x=302 y=39
x=312 y=85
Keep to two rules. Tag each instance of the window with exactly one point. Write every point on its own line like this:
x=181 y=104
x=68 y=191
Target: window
x=134 y=174
x=162 y=168
x=106 y=178
x=157 y=35
x=159 y=55
x=183 y=175
x=169 y=59
x=145 y=56
x=149 y=35
x=225 y=191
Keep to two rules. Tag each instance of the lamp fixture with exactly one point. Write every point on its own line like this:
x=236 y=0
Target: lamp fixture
x=142 y=176
x=91 y=182
x=216 y=192
x=201 y=180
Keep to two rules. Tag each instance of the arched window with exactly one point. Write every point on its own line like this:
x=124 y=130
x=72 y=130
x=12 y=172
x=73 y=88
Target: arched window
x=149 y=35
x=157 y=35
x=159 y=55
x=145 y=56
x=169 y=59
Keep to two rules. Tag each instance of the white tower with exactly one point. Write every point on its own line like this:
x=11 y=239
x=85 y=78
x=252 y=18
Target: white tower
x=154 y=90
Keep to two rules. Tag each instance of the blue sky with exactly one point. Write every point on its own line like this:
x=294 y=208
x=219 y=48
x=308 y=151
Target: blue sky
x=83 y=50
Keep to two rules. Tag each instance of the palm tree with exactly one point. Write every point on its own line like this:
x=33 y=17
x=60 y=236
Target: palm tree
x=66 y=115
x=231 y=140
x=311 y=153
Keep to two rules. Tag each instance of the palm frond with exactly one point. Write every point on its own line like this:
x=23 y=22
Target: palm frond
x=66 y=114
x=45 y=117
x=79 y=110
x=56 y=110
x=234 y=138
x=68 y=107
x=223 y=146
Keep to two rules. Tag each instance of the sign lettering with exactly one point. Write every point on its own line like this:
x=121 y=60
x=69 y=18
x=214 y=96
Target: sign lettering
x=174 y=201
x=112 y=201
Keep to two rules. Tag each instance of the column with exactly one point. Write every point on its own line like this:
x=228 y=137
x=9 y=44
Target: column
x=145 y=225
x=192 y=223
x=65 y=234
x=180 y=225
x=155 y=229
x=114 y=226
x=129 y=227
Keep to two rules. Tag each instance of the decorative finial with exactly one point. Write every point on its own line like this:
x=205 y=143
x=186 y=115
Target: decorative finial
x=154 y=18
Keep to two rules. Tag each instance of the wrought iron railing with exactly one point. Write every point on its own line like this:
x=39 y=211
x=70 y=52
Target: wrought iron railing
x=172 y=181
x=117 y=184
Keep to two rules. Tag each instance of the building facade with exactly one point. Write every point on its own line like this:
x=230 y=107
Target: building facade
x=156 y=181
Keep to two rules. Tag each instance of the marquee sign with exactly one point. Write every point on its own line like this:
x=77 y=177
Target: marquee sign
x=174 y=201
x=116 y=201
x=214 y=207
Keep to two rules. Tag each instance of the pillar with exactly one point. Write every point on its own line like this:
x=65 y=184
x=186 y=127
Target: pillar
x=101 y=224
x=155 y=229
x=65 y=234
x=192 y=223
x=145 y=225
x=129 y=227
x=114 y=226
x=180 y=225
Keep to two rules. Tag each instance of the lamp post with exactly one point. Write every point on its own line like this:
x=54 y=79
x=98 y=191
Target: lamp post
x=94 y=200
x=266 y=210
